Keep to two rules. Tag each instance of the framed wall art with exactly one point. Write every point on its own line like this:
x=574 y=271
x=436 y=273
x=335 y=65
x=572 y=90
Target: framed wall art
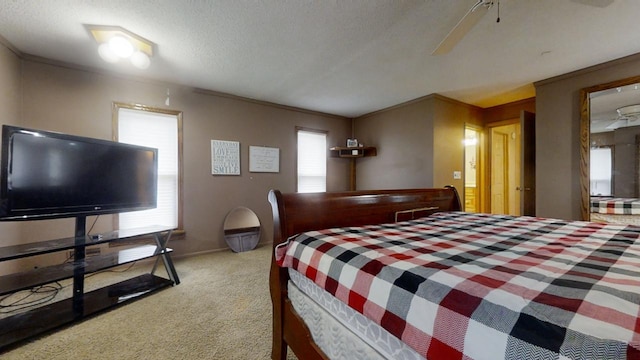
x=264 y=159
x=225 y=157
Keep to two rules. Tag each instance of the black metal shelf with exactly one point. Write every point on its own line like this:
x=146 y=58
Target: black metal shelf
x=22 y=326
x=45 y=275
x=49 y=246
x=50 y=316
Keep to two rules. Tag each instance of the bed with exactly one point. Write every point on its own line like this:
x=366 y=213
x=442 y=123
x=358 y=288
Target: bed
x=615 y=210
x=405 y=274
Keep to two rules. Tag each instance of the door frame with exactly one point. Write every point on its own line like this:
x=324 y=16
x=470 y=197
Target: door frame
x=480 y=166
x=490 y=127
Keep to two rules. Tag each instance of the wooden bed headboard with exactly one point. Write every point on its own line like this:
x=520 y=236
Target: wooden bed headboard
x=294 y=213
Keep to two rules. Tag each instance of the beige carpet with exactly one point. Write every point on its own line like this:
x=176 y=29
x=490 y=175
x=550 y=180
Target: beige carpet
x=220 y=310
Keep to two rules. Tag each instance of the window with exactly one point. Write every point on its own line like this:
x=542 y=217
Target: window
x=161 y=129
x=312 y=161
x=601 y=175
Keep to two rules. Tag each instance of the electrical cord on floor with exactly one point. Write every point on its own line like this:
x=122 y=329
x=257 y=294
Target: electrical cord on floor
x=48 y=293
x=8 y=303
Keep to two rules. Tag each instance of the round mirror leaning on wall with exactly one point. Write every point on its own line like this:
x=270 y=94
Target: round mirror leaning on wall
x=242 y=229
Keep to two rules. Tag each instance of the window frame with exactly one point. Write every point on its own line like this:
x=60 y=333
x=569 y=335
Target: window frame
x=311 y=130
x=178 y=114
x=611 y=150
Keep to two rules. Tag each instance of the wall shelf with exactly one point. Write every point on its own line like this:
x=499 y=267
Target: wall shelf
x=352 y=153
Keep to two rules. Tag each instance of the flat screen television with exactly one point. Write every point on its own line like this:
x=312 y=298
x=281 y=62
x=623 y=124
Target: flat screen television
x=47 y=175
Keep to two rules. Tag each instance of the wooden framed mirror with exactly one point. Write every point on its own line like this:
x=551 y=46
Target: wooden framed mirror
x=602 y=110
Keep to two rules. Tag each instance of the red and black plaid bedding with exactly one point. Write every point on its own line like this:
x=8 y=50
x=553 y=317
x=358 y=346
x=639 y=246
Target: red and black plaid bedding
x=617 y=206
x=477 y=286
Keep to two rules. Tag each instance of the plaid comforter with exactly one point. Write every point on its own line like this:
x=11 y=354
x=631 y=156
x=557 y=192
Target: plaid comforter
x=617 y=206
x=477 y=286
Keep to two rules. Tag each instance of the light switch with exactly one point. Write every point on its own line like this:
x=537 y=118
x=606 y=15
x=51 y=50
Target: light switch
x=457 y=175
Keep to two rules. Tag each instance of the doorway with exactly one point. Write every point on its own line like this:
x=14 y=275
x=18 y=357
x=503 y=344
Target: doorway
x=511 y=166
x=505 y=168
x=472 y=169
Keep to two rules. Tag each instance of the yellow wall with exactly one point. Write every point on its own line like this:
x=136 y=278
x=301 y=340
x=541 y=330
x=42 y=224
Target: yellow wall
x=449 y=122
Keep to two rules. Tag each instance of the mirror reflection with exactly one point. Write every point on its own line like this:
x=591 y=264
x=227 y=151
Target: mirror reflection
x=242 y=229
x=614 y=154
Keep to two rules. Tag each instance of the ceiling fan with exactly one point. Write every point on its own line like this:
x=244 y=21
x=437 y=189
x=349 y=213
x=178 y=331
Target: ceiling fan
x=468 y=21
x=627 y=116
x=477 y=11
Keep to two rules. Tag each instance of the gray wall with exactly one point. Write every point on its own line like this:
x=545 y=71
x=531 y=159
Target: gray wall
x=10 y=100
x=419 y=144
x=10 y=91
x=404 y=139
x=625 y=172
x=558 y=135
x=624 y=151
x=60 y=98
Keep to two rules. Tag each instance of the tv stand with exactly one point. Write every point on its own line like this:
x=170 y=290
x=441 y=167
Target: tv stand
x=44 y=318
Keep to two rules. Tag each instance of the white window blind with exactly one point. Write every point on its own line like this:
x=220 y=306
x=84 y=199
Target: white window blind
x=159 y=131
x=600 y=167
x=312 y=161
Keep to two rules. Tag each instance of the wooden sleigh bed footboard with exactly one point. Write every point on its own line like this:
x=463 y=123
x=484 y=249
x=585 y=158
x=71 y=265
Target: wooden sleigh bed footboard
x=295 y=213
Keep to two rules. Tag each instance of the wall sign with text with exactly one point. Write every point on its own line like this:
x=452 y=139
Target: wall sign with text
x=264 y=159
x=225 y=157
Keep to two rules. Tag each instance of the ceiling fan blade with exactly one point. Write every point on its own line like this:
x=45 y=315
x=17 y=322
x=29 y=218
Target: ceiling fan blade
x=468 y=21
x=616 y=124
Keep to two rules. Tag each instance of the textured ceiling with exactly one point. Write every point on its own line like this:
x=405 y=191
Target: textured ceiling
x=344 y=57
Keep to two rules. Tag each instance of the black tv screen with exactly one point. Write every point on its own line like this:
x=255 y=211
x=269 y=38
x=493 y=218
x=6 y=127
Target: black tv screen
x=52 y=175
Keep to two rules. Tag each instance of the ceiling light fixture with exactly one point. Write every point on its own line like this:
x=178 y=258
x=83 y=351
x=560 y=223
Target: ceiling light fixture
x=116 y=43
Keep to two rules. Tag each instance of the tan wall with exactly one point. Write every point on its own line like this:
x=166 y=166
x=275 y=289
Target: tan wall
x=10 y=90
x=403 y=136
x=448 y=156
x=79 y=102
x=625 y=158
x=558 y=135
x=419 y=144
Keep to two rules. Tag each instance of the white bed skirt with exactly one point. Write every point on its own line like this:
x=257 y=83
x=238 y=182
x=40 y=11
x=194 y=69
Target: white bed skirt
x=616 y=218
x=341 y=332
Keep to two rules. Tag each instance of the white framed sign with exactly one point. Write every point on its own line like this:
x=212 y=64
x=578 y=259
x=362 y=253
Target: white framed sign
x=264 y=159
x=225 y=157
